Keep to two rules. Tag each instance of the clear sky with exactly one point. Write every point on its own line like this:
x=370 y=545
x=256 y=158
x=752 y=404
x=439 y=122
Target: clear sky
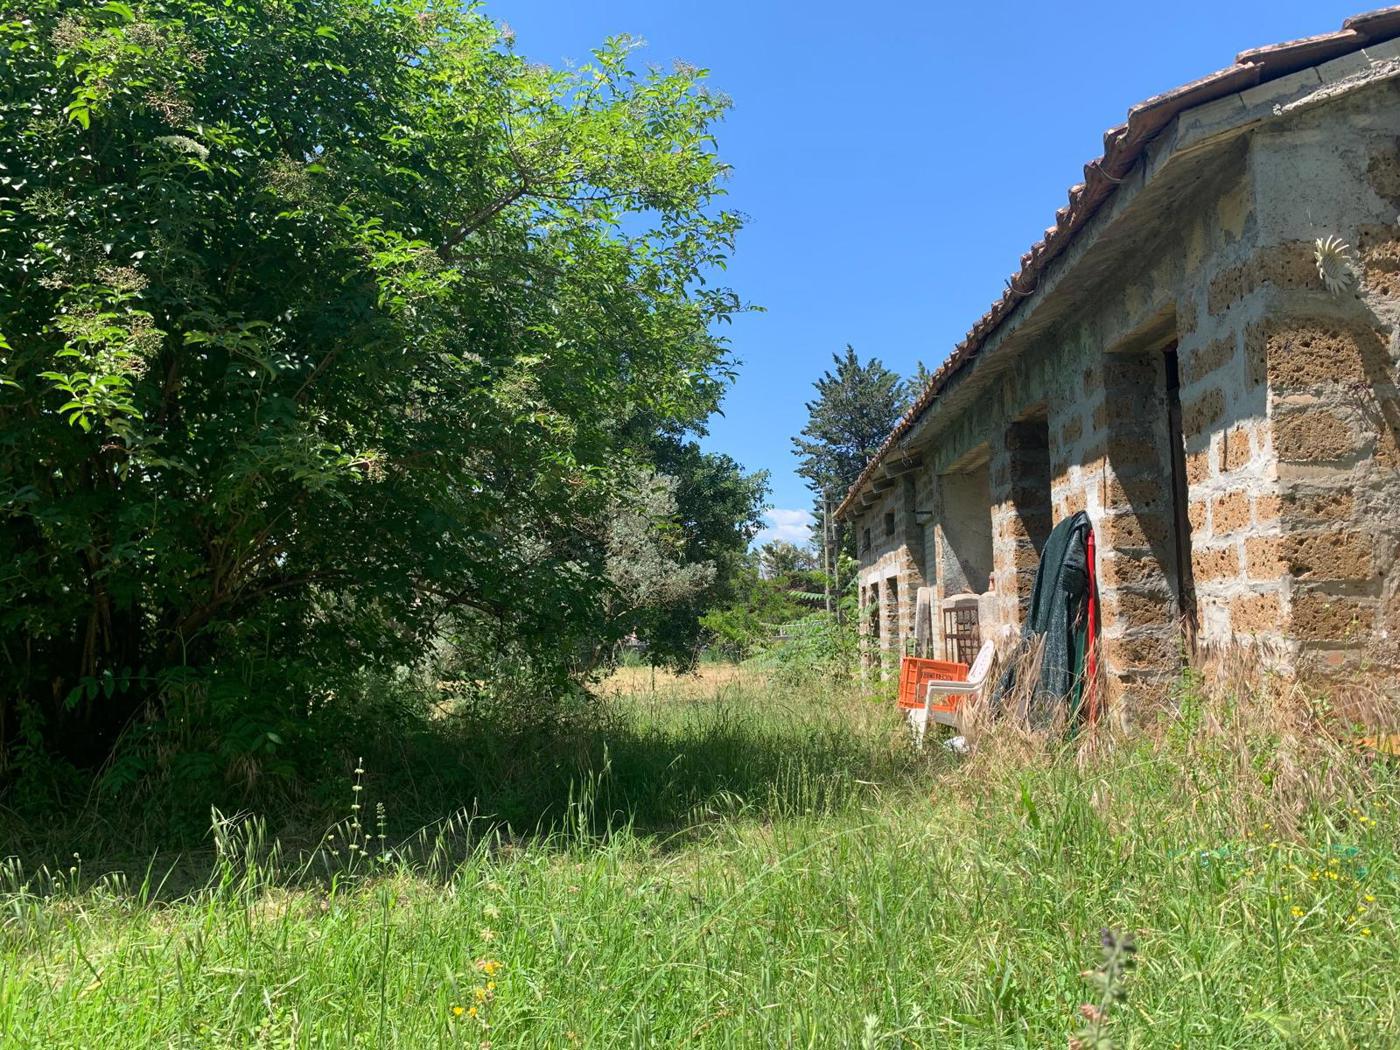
x=895 y=159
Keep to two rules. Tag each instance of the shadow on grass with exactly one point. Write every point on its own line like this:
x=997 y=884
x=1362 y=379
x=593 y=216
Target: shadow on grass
x=658 y=767
x=491 y=775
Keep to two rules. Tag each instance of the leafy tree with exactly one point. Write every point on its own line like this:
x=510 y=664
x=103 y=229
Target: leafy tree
x=817 y=644
x=327 y=329
x=856 y=407
x=646 y=562
x=756 y=606
x=717 y=513
x=794 y=569
x=921 y=378
x=780 y=560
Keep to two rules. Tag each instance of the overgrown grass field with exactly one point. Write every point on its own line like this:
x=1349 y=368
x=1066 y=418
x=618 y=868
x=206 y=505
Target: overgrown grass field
x=756 y=867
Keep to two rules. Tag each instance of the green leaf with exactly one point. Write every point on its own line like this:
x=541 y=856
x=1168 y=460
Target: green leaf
x=121 y=10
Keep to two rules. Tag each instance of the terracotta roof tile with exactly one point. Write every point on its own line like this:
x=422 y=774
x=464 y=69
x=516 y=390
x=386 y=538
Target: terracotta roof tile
x=1123 y=146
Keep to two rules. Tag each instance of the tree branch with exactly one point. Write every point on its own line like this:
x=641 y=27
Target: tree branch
x=480 y=218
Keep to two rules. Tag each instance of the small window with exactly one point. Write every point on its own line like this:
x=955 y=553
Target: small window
x=865 y=540
x=889 y=523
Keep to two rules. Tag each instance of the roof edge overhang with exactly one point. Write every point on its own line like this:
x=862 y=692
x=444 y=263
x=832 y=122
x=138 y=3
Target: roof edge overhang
x=1261 y=83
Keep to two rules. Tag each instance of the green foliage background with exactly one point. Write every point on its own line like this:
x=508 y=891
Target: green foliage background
x=856 y=407
x=334 y=335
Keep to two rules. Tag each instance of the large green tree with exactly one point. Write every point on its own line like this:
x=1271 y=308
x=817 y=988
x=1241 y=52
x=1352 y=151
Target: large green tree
x=717 y=509
x=327 y=326
x=857 y=405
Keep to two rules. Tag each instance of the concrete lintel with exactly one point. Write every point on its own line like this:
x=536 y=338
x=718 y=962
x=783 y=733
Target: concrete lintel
x=895 y=465
x=1274 y=91
x=1344 y=67
x=1375 y=72
x=1206 y=122
x=1388 y=51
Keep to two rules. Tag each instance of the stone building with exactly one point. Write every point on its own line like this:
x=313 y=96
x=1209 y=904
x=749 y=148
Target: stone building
x=1201 y=353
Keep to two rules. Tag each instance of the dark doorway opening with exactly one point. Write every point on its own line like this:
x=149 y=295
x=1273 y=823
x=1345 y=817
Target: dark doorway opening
x=1147 y=528
x=1028 y=447
x=1180 y=516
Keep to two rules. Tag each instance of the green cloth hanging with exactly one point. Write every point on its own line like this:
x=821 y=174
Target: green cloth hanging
x=1058 y=612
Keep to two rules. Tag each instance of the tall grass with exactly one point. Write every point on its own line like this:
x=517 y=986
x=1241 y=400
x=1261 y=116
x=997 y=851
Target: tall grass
x=754 y=869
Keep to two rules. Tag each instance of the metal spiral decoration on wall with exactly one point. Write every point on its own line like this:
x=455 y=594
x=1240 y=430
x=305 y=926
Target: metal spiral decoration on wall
x=1336 y=264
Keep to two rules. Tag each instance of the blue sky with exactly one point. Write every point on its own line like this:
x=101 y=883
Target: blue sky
x=896 y=158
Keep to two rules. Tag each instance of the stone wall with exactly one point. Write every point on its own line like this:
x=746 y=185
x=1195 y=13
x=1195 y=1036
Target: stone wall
x=1289 y=419
x=890 y=576
x=1330 y=364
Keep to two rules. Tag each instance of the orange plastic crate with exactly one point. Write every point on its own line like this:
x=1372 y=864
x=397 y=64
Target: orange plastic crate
x=916 y=672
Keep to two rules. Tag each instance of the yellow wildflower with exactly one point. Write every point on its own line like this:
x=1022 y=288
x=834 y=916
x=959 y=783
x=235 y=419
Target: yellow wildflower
x=457 y=1011
x=472 y=1011
x=1370 y=898
x=1298 y=912
x=1365 y=931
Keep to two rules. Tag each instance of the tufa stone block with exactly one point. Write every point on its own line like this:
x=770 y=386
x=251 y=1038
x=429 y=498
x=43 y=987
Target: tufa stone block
x=1202 y=412
x=1197 y=466
x=1122 y=569
x=1186 y=315
x=1226 y=288
x=1234 y=448
x=1303 y=505
x=1332 y=618
x=1140 y=491
x=1131 y=373
x=1230 y=513
x=1197 y=513
x=1263 y=558
x=1256 y=354
x=1256 y=614
x=1333 y=555
x=1302 y=355
x=1379 y=250
x=1209 y=358
x=1214 y=563
x=1288 y=265
x=1314 y=436
x=1073 y=431
x=1383 y=172
x=1139 y=608
x=1126 y=453
x=1137 y=530
x=1159 y=652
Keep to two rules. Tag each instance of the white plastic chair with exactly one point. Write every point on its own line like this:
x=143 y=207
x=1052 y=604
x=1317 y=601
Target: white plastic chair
x=950 y=715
